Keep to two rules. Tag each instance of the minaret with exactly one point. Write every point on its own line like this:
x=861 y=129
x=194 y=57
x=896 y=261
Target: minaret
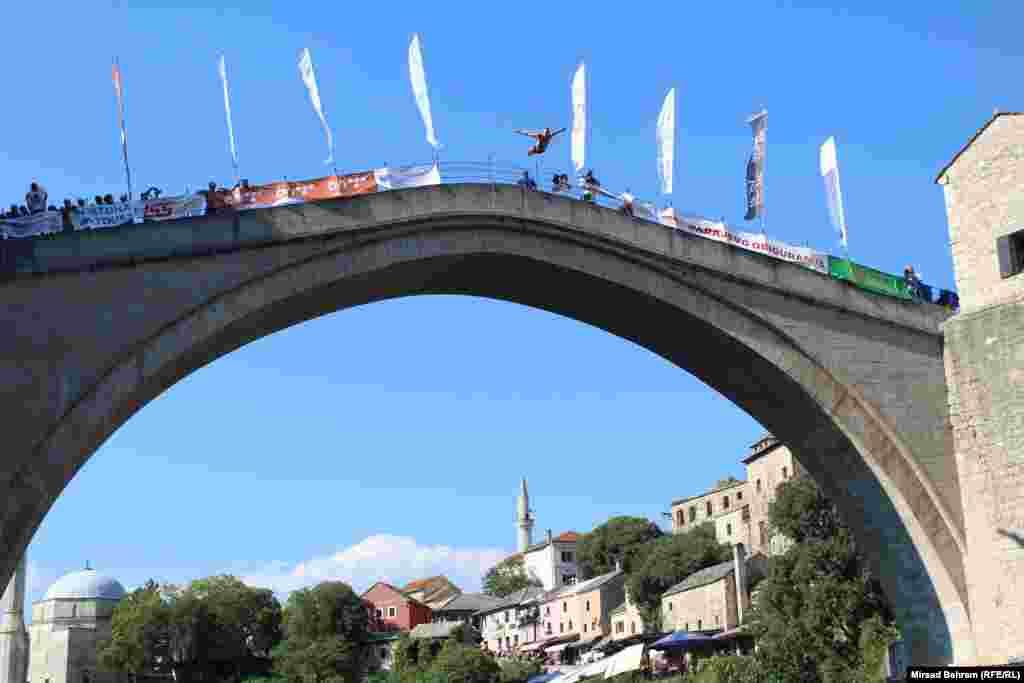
x=524 y=519
x=13 y=635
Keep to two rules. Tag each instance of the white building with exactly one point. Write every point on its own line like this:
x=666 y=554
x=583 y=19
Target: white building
x=67 y=626
x=554 y=561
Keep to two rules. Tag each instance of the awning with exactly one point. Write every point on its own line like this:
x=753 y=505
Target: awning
x=731 y=634
x=589 y=671
x=627 y=660
x=682 y=640
x=588 y=641
x=544 y=678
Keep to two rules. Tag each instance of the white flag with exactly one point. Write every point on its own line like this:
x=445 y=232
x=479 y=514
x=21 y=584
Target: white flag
x=579 y=117
x=419 y=88
x=666 y=138
x=306 y=71
x=227 y=112
x=830 y=173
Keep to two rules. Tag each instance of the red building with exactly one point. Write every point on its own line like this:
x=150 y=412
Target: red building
x=393 y=610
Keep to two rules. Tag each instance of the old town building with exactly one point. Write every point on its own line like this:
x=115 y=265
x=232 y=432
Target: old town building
x=433 y=592
x=513 y=622
x=394 y=610
x=553 y=561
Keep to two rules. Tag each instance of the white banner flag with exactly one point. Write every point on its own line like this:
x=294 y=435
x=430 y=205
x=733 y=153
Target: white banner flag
x=419 y=88
x=306 y=71
x=407 y=176
x=579 y=117
x=830 y=173
x=227 y=112
x=666 y=138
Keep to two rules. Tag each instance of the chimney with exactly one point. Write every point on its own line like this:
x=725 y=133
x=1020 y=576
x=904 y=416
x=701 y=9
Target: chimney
x=550 y=538
x=739 y=558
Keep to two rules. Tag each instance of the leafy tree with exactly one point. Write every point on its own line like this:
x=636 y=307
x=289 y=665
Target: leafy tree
x=465 y=664
x=507 y=577
x=519 y=670
x=138 y=642
x=619 y=538
x=668 y=560
x=819 y=615
x=324 y=627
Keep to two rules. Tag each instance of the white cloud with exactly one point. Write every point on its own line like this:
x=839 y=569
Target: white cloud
x=383 y=557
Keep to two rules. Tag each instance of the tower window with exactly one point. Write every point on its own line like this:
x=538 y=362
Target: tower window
x=709 y=507
x=739 y=495
x=759 y=486
x=725 y=502
x=785 y=473
x=680 y=518
x=1010 y=250
x=693 y=513
x=728 y=529
x=588 y=605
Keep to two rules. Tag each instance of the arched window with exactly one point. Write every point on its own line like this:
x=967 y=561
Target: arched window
x=709 y=508
x=679 y=518
x=588 y=605
x=632 y=627
x=725 y=502
x=728 y=529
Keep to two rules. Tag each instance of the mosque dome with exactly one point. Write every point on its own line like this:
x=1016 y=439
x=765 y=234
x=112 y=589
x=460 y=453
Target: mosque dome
x=87 y=584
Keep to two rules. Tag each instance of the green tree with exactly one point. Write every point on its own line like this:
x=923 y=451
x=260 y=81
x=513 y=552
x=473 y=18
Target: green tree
x=324 y=628
x=464 y=664
x=668 y=560
x=519 y=670
x=507 y=577
x=138 y=642
x=619 y=538
x=819 y=614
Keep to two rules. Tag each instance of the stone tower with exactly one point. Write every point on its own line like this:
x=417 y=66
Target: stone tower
x=524 y=518
x=13 y=635
x=984 y=358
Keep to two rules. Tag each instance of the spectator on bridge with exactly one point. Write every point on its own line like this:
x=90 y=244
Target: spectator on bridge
x=124 y=198
x=98 y=200
x=108 y=199
x=627 y=203
x=560 y=183
x=35 y=198
x=23 y=211
x=81 y=203
x=527 y=182
x=65 y=216
x=913 y=283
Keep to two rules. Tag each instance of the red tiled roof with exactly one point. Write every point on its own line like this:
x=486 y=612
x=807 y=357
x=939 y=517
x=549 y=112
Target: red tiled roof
x=568 y=537
x=973 y=138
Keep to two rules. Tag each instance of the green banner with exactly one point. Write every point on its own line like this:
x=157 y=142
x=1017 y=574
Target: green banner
x=868 y=278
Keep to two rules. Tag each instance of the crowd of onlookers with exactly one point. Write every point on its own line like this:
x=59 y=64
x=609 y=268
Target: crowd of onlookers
x=36 y=203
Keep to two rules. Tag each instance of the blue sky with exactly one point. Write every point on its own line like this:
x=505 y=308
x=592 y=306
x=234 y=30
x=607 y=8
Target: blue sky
x=387 y=441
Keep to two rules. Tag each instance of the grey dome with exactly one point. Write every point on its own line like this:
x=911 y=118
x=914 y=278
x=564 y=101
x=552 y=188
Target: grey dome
x=86 y=584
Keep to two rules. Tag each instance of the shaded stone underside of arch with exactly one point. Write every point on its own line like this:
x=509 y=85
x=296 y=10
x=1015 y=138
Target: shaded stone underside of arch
x=789 y=363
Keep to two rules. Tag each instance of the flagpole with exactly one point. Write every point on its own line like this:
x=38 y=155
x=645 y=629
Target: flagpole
x=124 y=134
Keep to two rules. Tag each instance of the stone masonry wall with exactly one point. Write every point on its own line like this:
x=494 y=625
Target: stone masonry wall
x=985 y=370
x=984 y=193
x=984 y=359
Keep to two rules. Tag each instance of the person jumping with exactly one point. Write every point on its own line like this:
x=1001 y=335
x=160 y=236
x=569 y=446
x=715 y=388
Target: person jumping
x=543 y=138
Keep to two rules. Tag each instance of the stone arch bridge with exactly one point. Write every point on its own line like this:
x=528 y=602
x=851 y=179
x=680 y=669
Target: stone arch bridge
x=97 y=324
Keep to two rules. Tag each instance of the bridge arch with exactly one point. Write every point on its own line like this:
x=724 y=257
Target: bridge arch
x=709 y=324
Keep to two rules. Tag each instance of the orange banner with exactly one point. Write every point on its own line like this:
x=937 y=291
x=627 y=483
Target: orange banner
x=292 y=192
